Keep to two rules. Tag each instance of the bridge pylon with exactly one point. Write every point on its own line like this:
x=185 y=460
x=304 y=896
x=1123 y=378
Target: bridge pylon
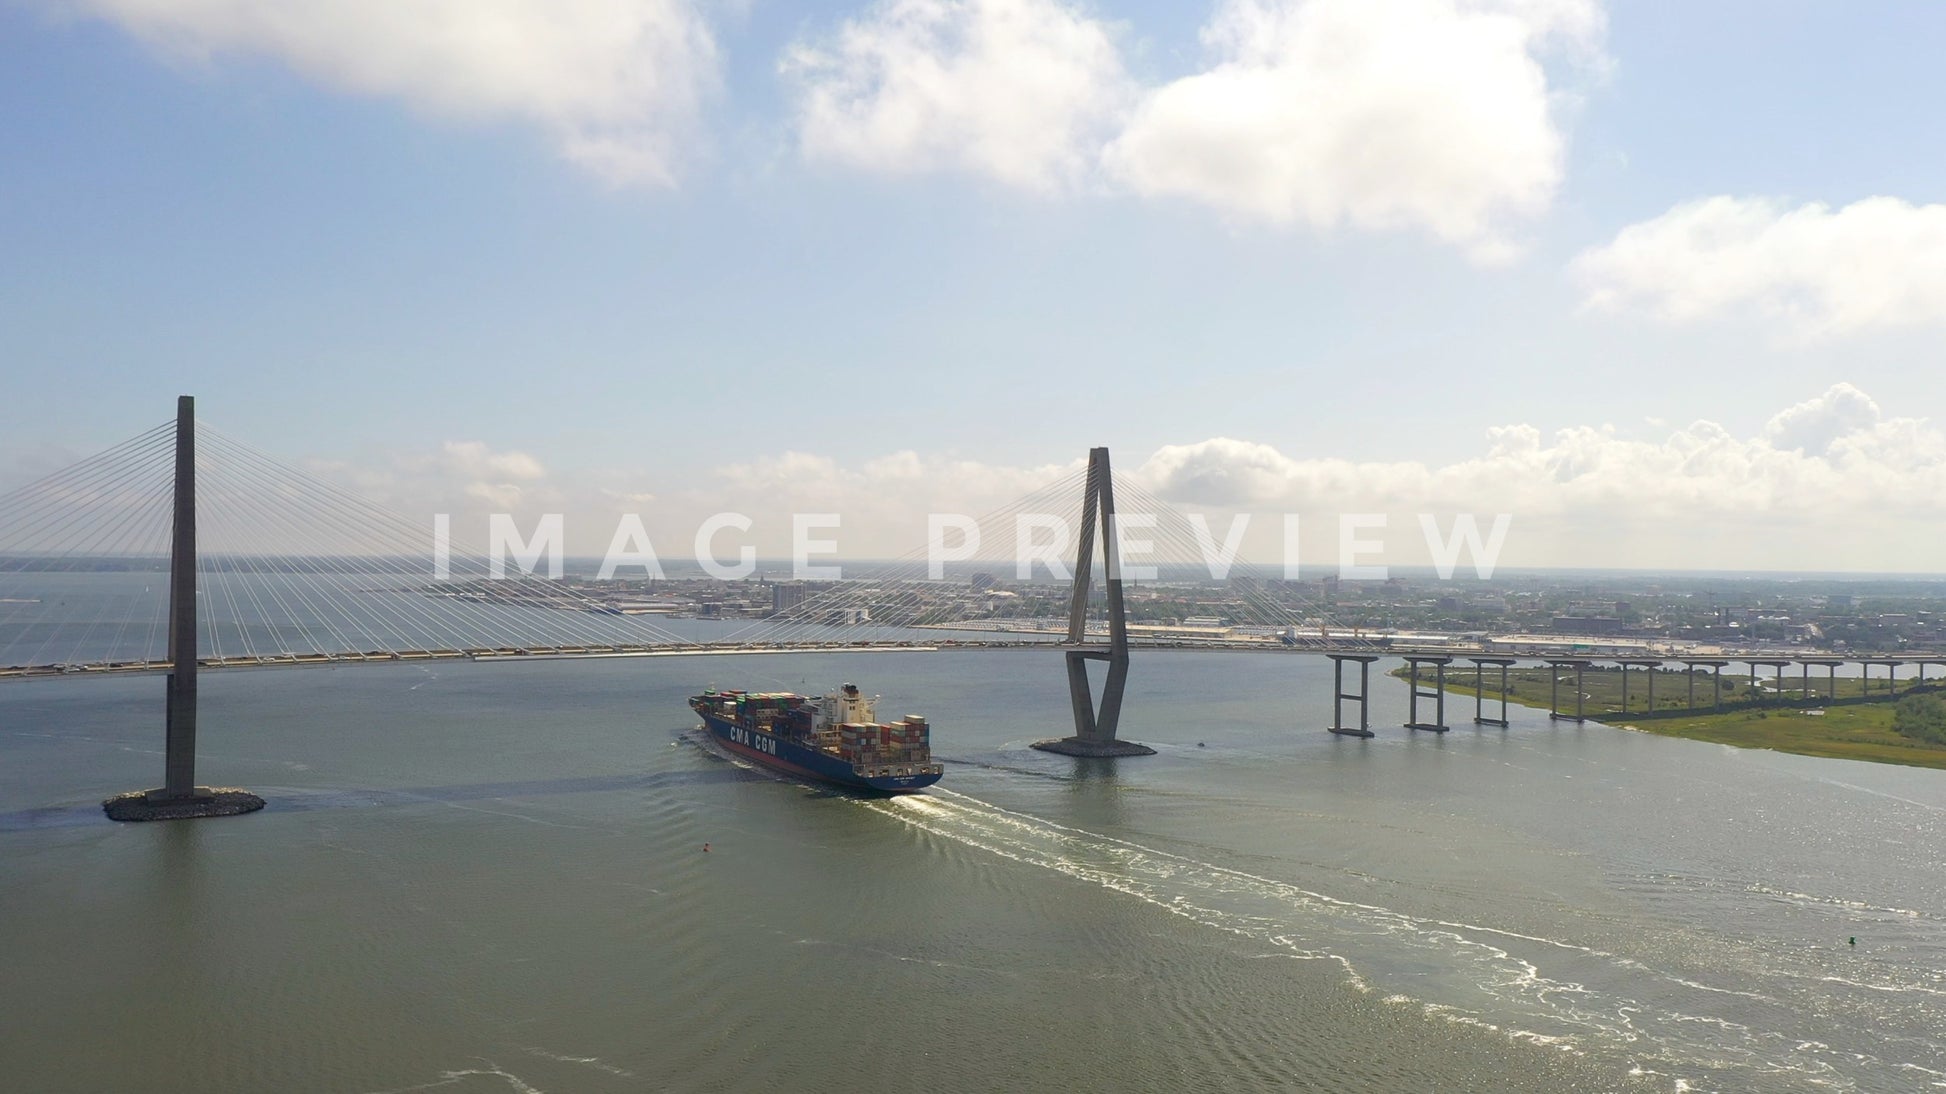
x=1094 y=726
x=179 y=798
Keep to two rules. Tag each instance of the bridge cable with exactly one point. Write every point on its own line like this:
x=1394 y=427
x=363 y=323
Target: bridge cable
x=866 y=596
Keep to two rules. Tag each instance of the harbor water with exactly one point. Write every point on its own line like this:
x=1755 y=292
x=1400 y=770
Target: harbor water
x=492 y=877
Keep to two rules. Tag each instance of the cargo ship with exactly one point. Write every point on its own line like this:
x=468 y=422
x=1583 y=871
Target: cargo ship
x=834 y=739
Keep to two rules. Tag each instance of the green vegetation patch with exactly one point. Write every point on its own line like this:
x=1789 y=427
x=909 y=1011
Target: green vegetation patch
x=1859 y=726
x=1862 y=732
x=1922 y=718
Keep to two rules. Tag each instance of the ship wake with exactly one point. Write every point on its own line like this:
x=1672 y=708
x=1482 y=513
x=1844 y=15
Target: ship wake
x=1664 y=1023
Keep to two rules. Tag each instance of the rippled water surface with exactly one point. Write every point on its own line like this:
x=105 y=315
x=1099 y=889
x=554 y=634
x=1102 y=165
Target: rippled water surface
x=492 y=877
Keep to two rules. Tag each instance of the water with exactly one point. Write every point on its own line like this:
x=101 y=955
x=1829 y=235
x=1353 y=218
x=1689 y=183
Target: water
x=490 y=877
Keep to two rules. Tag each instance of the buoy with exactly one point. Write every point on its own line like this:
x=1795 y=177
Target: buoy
x=1200 y=744
x=1854 y=940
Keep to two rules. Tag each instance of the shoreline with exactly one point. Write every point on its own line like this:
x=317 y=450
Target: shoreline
x=1853 y=728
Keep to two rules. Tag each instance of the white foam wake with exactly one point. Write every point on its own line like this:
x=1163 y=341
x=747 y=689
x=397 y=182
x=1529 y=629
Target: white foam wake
x=1528 y=988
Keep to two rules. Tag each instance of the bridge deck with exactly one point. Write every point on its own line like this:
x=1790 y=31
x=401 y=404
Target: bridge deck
x=720 y=649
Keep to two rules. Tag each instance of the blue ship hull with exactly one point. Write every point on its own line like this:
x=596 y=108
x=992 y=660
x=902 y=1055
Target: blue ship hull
x=778 y=754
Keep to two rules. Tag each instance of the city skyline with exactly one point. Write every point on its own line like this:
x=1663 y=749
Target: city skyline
x=1655 y=282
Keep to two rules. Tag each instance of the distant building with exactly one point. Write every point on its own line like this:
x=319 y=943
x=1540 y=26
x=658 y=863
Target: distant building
x=1587 y=624
x=982 y=581
x=786 y=595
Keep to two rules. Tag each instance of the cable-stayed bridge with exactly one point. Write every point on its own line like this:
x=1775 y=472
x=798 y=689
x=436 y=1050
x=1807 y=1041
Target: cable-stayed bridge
x=184 y=550
x=292 y=570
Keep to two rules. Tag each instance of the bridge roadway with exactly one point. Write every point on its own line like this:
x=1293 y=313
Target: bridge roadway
x=1370 y=650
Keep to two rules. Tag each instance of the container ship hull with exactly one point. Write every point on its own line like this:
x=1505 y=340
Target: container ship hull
x=808 y=763
x=749 y=727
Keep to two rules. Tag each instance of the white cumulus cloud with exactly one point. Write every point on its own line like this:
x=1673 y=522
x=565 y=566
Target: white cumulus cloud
x=1830 y=455
x=473 y=459
x=1435 y=115
x=1815 y=425
x=1017 y=90
x=1431 y=115
x=1877 y=263
x=1832 y=482
x=618 y=84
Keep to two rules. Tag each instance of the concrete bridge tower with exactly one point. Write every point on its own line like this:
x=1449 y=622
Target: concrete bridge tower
x=1094 y=726
x=179 y=798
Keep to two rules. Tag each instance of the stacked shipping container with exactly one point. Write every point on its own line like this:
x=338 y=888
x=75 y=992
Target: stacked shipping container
x=789 y=715
x=905 y=741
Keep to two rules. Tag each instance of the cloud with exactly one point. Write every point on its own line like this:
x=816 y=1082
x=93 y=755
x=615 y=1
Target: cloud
x=1437 y=116
x=475 y=459
x=1832 y=482
x=1434 y=115
x=467 y=479
x=617 y=84
x=498 y=495
x=1020 y=91
x=1815 y=425
x=1877 y=263
x=881 y=498
x=488 y=476
x=1823 y=459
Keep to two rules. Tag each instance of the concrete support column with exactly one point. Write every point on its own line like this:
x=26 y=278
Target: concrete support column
x=1362 y=697
x=1437 y=695
x=1479 y=691
x=1554 y=710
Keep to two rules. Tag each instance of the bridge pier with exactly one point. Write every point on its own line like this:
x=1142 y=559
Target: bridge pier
x=1438 y=694
x=1865 y=665
x=1777 y=671
x=1554 y=711
x=1094 y=726
x=1830 y=666
x=1647 y=663
x=179 y=798
x=1479 y=690
x=1921 y=682
x=1716 y=682
x=1339 y=694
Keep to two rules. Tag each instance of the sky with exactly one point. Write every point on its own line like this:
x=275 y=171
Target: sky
x=1666 y=282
